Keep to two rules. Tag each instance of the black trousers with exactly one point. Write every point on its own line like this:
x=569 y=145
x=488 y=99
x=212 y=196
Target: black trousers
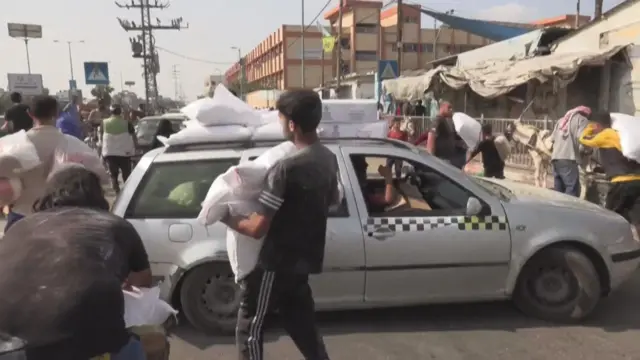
x=624 y=198
x=117 y=164
x=290 y=294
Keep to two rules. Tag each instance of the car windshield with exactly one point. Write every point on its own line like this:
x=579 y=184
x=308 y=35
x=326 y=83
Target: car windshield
x=499 y=191
x=150 y=125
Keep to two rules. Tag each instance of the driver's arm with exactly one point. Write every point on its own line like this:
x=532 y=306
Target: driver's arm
x=389 y=191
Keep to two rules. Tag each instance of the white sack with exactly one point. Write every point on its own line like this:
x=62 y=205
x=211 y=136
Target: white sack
x=144 y=307
x=349 y=111
x=72 y=150
x=269 y=131
x=223 y=109
x=212 y=133
x=377 y=129
x=629 y=129
x=19 y=147
x=468 y=128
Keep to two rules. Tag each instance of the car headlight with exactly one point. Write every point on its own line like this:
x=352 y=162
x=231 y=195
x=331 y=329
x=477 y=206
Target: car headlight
x=634 y=233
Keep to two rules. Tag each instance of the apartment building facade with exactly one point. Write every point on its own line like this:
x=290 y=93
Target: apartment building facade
x=369 y=34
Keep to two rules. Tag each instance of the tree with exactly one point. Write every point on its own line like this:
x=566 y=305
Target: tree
x=102 y=92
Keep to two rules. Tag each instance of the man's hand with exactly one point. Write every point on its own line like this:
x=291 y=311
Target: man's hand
x=254 y=225
x=385 y=172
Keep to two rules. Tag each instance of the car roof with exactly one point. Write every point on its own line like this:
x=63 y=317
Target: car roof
x=165 y=116
x=242 y=145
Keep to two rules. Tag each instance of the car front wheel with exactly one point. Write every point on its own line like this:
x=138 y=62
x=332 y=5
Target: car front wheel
x=210 y=298
x=558 y=284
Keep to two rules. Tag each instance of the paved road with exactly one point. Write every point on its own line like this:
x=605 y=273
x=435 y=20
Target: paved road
x=454 y=332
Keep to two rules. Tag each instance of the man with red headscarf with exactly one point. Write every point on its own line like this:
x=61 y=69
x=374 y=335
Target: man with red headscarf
x=566 y=150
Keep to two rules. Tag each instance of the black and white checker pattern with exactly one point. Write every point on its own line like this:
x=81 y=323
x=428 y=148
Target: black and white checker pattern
x=463 y=223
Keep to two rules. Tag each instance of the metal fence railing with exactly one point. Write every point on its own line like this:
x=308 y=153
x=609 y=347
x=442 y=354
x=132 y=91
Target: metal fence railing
x=519 y=155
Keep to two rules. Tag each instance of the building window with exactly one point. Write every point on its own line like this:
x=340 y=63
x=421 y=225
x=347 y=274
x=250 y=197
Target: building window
x=411 y=20
x=345 y=43
x=410 y=47
x=426 y=48
x=367 y=55
x=366 y=28
x=394 y=47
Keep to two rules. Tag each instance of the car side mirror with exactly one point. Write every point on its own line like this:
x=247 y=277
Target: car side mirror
x=474 y=206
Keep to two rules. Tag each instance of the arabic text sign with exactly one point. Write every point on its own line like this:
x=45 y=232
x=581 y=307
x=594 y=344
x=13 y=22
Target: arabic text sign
x=25 y=84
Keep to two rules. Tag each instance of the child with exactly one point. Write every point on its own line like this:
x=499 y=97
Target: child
x=396 y=133
x=492 y=162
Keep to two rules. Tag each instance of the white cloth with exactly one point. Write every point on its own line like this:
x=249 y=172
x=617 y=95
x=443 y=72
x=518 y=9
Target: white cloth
x=118 y=145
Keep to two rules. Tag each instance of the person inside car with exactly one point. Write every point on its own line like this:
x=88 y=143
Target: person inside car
x=165 y=128
x=75 y=186
x=375 y=201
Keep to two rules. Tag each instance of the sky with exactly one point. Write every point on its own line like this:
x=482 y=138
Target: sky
x=214 y=28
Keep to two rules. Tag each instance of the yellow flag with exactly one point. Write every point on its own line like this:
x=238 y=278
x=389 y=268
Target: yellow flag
x=327 y=43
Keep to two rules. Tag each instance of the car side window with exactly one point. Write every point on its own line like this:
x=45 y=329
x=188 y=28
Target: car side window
x=417 y=190
x=175 y=190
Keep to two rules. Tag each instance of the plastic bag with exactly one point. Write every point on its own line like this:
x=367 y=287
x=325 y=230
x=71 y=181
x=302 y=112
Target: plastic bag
x=468 y=128
x=629 y=129
x=144 y=307
x=223 y=109
x=17 y=154
x=72 y=150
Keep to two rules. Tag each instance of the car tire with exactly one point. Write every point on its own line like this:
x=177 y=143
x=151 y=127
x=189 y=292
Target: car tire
x=558 y=284
x=210 y=298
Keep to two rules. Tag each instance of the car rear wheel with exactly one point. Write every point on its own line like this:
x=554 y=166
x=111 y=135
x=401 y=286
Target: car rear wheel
x=210 y=298
x=558 y=284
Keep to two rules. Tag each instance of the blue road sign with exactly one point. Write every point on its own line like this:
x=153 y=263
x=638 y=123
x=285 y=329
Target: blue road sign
x=72 y=85
x=387 y=69
x=96 y=73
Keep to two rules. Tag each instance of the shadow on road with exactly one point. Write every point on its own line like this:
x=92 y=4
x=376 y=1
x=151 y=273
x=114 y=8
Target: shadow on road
x=619 y=312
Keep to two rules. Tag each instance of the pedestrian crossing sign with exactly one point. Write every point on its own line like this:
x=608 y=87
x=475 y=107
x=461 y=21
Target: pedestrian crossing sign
x=96 y=73
x=387 y=69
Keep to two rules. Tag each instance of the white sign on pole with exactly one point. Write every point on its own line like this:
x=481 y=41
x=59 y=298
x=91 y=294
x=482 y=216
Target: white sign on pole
x=25 y=84
x=25 y=31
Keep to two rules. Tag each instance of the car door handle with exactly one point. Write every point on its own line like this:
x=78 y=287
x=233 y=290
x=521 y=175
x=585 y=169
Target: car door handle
x=382 y=233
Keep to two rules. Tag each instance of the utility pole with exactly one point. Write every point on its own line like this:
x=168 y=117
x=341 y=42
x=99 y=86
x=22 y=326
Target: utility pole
x=400 y=25
x=302 y=31
x=436 y=34
x=175 y=74
x=339 y=49
x=598 y=9
x=143 y=45
x=577 y=22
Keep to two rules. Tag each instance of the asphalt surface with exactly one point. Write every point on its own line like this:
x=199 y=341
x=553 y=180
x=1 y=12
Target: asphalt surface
x=490 y=331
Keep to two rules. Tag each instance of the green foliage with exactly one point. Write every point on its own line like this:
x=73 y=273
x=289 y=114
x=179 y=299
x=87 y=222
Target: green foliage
x=102 y=92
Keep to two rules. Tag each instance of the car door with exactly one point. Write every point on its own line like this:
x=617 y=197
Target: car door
x=343 y=277
x=165 y=204
x=420 y=254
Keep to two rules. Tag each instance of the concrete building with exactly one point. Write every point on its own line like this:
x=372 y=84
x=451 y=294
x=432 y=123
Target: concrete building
x=369 y=34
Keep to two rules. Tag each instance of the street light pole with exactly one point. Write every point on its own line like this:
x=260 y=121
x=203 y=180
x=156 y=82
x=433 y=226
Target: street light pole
x=302 y=29
x=70 y=53
x=242 y=72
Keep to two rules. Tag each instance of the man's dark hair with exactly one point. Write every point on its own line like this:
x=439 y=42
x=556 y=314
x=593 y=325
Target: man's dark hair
x=602 y=118
x=116 y=110
x=487 y=129
x=73 y=186
x=16 y=97
x=302 y=107
x=44 y=107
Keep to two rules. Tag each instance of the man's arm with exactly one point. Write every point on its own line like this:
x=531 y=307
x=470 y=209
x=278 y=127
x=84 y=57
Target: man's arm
x=477 y=150
x=271 y=198
x=8 y=121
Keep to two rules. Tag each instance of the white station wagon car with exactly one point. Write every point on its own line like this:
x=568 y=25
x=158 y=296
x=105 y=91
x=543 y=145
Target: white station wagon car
x=450 y=237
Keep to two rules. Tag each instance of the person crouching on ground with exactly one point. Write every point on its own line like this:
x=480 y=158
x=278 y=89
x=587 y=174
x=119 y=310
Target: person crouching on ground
x=491 y=160
x=76 y=187
x=624 y=194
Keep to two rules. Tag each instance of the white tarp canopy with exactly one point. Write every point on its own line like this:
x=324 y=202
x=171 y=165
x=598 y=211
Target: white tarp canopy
x=493 y=78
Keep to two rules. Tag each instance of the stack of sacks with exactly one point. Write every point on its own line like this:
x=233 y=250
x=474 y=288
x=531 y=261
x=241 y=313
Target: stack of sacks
x=17 y=155
x=223 y=118
x=236 y=192
x=629 y=129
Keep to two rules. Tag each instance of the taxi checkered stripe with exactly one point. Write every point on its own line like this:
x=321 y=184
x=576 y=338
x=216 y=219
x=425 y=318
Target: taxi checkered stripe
x=464 y=223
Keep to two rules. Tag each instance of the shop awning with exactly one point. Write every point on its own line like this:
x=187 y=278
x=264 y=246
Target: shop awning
x=497 y=77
